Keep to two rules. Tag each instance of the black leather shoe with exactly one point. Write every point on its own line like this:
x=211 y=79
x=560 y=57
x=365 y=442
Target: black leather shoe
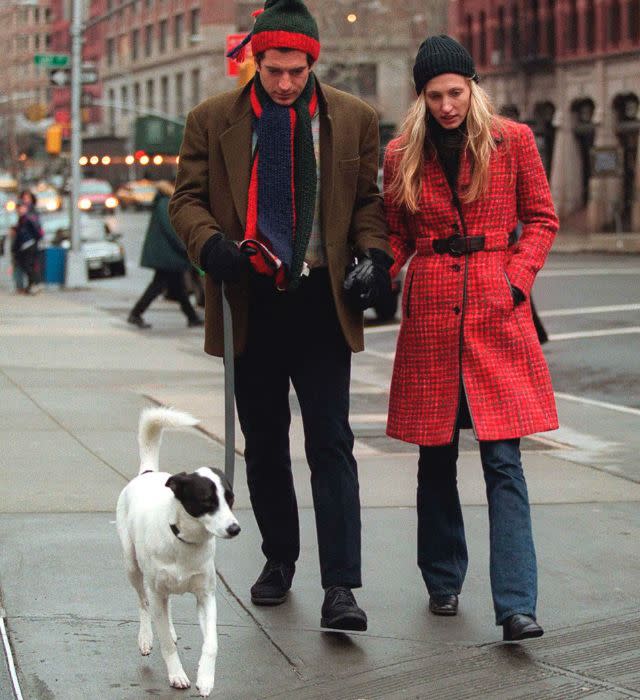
x=444 y=604
x=519 y=627
x=341 y=612
x=273 y=584
x=137 y=320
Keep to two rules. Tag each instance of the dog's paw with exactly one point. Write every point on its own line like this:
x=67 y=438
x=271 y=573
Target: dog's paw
x=204 y=684
x=145 y=644
x=179 y=680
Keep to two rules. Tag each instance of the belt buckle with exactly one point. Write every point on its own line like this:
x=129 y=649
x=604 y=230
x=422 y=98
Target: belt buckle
x=456 y=245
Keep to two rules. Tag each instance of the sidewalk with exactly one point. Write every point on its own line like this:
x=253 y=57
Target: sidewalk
x=73 y=379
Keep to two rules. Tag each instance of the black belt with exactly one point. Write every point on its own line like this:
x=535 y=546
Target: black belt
x=458 y=245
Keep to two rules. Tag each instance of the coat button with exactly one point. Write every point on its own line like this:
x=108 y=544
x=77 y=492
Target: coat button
x=456 y=310
x=456 y=268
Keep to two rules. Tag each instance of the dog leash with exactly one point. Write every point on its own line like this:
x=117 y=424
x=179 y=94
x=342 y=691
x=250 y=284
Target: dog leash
x=229 y=379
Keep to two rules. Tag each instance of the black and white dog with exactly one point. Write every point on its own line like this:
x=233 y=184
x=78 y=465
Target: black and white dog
x=168 y=525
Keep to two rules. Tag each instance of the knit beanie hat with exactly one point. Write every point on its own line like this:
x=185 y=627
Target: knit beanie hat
x=283 y=24
x=438 y=55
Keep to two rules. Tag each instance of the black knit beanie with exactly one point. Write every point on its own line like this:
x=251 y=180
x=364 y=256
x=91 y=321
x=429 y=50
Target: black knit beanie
x=438 y=55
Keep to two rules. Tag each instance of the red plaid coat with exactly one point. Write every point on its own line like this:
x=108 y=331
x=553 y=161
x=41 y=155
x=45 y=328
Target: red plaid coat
x=459 y=322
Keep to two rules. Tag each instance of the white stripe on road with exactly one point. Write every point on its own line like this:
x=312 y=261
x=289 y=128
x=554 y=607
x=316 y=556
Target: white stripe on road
x=9 y=655
x=629 y=330
x=599 y=404
x=586 y=271
x=589 y=310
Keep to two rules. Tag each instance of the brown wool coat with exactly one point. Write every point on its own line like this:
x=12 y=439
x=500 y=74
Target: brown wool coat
x=212 y=190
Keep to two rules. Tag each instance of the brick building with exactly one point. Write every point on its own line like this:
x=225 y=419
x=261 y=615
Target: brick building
x=571 y=69
x=24 y=87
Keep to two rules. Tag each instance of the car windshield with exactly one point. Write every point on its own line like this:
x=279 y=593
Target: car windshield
x=143 y=188
x=95 y=187
x=59 y=228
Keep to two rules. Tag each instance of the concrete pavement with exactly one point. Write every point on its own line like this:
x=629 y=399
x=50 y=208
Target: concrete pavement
x=73 y=378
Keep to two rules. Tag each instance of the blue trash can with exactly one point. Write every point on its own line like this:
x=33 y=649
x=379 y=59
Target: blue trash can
x=54 y=264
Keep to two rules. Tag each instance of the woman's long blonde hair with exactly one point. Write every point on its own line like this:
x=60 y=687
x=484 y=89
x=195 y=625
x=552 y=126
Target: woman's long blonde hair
x=406 y=185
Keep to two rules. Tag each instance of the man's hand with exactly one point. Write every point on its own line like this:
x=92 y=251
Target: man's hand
x=223 y=259
x=369 y=280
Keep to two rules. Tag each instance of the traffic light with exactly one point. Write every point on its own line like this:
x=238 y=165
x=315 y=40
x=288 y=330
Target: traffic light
x=53 y=139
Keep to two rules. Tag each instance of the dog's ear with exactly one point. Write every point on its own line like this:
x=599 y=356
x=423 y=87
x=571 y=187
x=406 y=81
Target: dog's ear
x=176 y=483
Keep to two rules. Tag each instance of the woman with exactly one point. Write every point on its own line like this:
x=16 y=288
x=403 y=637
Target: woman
x=456 y=182
x=24 y=246
x=165 y=253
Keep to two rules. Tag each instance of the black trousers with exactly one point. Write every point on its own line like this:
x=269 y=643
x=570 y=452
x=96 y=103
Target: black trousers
x=172 y=280
x=295 y=336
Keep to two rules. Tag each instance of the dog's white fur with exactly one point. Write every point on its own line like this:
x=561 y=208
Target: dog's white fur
x=158 y=563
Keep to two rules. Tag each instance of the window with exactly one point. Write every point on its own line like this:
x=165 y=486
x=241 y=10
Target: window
x=135 y=41
x=148 y=40
x=194 y=22
x=633 y=10
x=359 y=79
x=162 y=40
x=112 y=110
x=195 y=86
x=111 y=50
x=180 y=93
x=136 y=96
x=151 y=100
x=178 y=31
x=515 y=33
x=483 y=39
x=572 y=27
x=164 y=94
x=615 y=15
x=591 y=25
x=124 y=98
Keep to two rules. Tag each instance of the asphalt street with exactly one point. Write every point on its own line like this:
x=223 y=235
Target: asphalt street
x=74 y=376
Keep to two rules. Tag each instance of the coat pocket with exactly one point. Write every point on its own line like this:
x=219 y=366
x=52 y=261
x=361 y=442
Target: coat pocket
x=349 y=164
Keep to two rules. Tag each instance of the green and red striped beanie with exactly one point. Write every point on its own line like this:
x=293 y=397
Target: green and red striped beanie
x=284 y=24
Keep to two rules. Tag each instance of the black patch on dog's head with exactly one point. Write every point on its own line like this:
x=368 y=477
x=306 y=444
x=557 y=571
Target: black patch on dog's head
x=228 y=491
x=197 y=494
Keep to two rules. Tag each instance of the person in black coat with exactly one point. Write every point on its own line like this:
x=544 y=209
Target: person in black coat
x=165 y=253
x=24 y=246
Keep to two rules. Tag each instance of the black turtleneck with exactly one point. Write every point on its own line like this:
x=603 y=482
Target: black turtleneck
x=448 y=144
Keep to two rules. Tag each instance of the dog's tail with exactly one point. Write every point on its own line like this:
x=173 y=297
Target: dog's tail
x=152 y=422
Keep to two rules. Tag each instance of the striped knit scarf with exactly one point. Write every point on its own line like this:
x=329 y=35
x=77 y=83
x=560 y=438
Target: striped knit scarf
x=282 y=189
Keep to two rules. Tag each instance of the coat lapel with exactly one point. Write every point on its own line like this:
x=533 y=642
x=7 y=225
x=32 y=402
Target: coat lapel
x=236 y=149
x=326 y=165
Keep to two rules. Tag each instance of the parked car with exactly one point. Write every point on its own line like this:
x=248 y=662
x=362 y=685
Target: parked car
x=100 y=244
x=47 y=198
x=8 y=183
x=96 y=196
x=137 y=193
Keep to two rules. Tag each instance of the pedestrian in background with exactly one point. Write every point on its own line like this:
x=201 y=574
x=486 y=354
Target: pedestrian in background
x=24 y=246
x=163 y=252
x=456 y=182
x=30 y=199
x=290 y=166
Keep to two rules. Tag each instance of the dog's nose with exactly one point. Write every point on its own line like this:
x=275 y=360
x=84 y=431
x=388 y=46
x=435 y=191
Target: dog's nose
x=233 y=530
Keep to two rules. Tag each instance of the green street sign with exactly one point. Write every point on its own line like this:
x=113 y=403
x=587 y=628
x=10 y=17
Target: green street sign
x=52 y=60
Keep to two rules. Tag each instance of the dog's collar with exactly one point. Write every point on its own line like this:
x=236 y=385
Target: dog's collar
x=176 y=532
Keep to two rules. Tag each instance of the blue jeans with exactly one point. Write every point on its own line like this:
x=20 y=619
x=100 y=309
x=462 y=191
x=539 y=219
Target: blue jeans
x=442 y=549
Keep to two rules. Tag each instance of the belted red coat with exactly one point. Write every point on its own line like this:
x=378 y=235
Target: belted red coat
x=460 y=327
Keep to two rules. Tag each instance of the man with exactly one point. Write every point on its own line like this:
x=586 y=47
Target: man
x=289 y=167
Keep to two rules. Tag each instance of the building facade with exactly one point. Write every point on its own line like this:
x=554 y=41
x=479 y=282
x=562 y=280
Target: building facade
x=25 y=30
x=569 y=68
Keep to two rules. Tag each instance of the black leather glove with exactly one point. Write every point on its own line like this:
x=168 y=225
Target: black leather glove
x=369 y=280
x=222 y=259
